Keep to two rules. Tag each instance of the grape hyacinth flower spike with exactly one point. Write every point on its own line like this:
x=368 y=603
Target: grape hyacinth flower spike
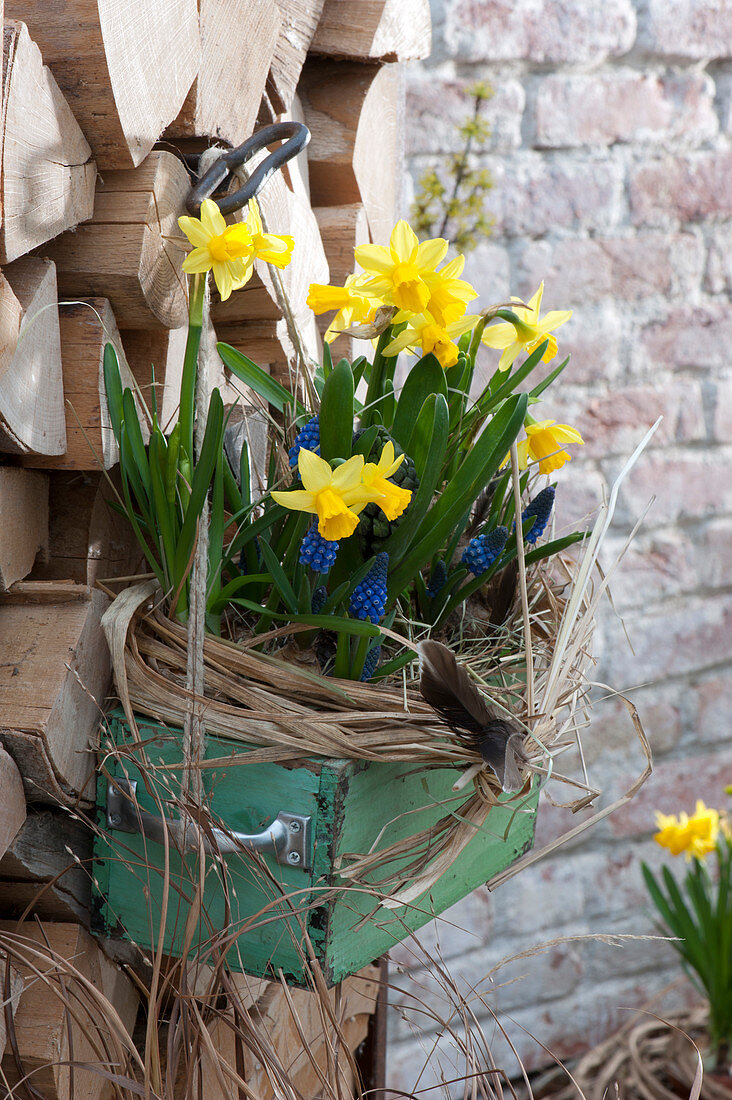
x=482 y=551
x=317 y=552
x=541 y=509
x=369 y=665
x=308 y=437
x=369 y=597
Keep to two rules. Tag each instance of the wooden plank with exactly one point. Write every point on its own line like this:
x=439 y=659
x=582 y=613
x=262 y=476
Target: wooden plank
x=54 y=676
x=374 y=30
x=354 y=112
x=31 y=385
x=238 y=39
x=39 y=872
x=47 y=1034
x=86 y=326
x=283 y=1022
x=12 y=801
x=88 y=540
x=299 y=21
x=24 y=528
x=47 y=167
x=125 y=78
x=129 y=251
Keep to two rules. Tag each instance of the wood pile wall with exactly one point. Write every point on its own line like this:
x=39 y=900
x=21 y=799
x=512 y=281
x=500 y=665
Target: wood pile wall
x=102 y=117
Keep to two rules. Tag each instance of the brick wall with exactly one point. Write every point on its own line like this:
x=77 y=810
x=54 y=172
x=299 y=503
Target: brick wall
x=612 y=162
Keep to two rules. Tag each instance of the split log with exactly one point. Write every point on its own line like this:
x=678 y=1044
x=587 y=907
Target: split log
x=238 y=39
x=48 y=1033
x=54 y=675
x=296 y=173
x=88 y=540
x=31 y=381
x=86 y=326
x=284 y=1021
x=16 y=989
x=157 y=354
x=124 y=71
x=40 y=875
x=47 y=168
x=354 y=113
x=12 y=802
x=24 y=528
x=299 y=22
x=374 y=30
x=129 y=251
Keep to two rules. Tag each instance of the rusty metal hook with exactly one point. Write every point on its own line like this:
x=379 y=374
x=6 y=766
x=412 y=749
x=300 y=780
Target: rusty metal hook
x=297 y=137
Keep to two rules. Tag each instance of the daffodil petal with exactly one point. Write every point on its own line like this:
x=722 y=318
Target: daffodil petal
x=223 y=279
x=348 y=474
x=535 y=302
x=499 y=336
x=508 y=355
x=315 y=472
x=430 y=253
x=400 y=342
x=197 y=261
x=374 y=257
x=194 y=231
x=299 y=500
x=212 y=219
x=403 y=240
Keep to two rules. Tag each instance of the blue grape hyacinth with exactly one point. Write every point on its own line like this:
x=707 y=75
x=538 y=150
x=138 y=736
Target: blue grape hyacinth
x=482 y=551
x=372 y=660
x=308 y=437
x=437 y=579
x=369 y=597
x=541 y=508
x=317 y=602
x=317 y=552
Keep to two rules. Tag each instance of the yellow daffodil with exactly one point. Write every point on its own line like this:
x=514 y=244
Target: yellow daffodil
x=354 y=308
x=528 y=332
x=696 y=836
x=433 y=337
x=449 y=294
x=544 y=442
x=270 y=247
x=227 y=250
x=398 y=272
x=392 y=499
x=335 y=496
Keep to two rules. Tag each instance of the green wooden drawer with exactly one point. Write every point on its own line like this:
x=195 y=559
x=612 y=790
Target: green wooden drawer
x=351 y=806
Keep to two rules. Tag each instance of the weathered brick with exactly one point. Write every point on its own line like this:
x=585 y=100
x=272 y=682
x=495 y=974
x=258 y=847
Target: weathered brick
x=686 y=485
x=714 y=548
x=712 y=697
x=437 y=107
x=674 y=786
x=623 y=106
x=718 y=273
x=621 y=268
x=614 y=423
x=689 y=188
x=539 y=30
x=722 y=409
x=688 y=28
x=488 y=269
x=611 y=730
x=533 y=196
x=690 y=337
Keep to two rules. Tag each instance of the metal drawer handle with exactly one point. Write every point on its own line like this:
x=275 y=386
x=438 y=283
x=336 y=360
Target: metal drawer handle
x=287 y=838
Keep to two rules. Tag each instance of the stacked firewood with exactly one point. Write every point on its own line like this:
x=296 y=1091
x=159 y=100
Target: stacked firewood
x=104 y=117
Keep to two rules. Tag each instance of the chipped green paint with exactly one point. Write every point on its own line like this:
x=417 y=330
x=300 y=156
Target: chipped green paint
x=350 y=804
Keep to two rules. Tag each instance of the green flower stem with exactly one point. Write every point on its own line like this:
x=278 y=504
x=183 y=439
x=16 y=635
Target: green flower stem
x=187 y=412
x=342 y=668
x=379 y=370
x=362 y=648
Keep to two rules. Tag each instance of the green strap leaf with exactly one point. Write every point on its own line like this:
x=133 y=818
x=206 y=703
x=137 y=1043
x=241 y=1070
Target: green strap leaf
x=336 y=413
x=427 y=446
x=252 y=375
x=113 y=389
x=426 y=377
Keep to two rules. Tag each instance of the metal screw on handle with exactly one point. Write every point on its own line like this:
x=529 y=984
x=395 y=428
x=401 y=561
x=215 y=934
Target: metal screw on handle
x=287 y=838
